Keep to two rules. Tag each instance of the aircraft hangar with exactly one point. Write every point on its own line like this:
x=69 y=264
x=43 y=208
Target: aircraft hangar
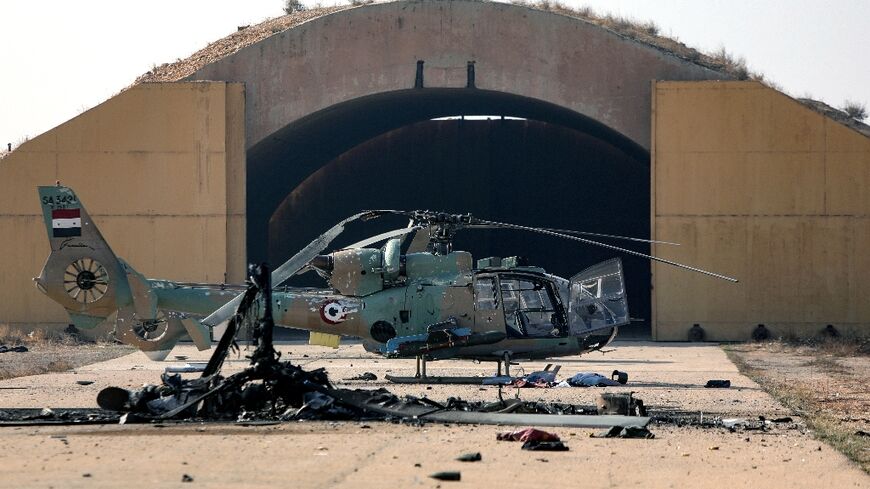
x=207 y=164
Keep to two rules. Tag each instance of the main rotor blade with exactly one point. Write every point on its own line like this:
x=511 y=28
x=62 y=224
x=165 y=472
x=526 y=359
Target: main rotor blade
x=296 y=263
x=603 y=245
x=383 y=236
x=614 y=236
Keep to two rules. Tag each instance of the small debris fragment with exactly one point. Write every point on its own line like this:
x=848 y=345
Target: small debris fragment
x=528 y=434
x=449 y=475
x=713 y=448
x=621 y=377
x=545 y=446
x=366 y=376
x=470 y=457
x=84 y=382
x=718 y=384
x=86 y=474
x=186 y=478
x=861 y=433
x=785 y=419
x=621 y=404
x=626 y=432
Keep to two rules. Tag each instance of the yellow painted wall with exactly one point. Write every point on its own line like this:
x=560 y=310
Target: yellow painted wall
x=160 y=168
x=759 y=187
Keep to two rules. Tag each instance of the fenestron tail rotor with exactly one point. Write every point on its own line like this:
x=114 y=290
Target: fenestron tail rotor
x=85 y=280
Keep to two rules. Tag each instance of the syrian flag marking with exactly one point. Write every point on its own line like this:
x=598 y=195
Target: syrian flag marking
x=66 y=223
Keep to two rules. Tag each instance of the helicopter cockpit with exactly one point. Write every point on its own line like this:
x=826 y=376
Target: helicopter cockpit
x=532 y=304
x=529 y=305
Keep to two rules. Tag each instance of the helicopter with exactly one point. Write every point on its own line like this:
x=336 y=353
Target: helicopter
x=431 y=302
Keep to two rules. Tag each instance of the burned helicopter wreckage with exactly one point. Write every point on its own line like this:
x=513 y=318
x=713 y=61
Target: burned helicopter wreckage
x=428 y=303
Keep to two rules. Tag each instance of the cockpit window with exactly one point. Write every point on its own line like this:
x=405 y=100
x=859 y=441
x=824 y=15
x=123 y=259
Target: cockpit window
x=528 y=307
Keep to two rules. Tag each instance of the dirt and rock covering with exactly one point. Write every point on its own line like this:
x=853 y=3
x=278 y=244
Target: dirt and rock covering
x=245 y=36
x=646 y=33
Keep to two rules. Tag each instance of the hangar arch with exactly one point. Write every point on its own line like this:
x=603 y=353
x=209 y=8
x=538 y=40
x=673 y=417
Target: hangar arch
x=316 y=91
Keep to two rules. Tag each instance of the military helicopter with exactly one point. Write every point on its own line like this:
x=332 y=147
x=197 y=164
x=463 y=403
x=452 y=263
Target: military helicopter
x=430 y=303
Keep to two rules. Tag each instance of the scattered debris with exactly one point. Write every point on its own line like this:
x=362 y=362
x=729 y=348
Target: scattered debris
x=589 y=379
x=534 y=440
x=860 y=433
x=186 y=368
x=761 y=424
x=626 y=432
x=470 y=457
x=621 y=404
x=527 y=434
x=545 y=446
x=367 y=376
x=84 y=382
x=718 y=384
x=15 y=349
x=186 y=478
x=450 y=475
x=784 y=419
x=547 y=378
x=621 y=377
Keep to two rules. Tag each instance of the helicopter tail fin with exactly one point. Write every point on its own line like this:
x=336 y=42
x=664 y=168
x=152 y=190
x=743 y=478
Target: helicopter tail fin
x=82 y=273
x=97 y=288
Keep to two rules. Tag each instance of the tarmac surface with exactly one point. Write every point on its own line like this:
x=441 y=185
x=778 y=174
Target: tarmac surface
x=668 y=377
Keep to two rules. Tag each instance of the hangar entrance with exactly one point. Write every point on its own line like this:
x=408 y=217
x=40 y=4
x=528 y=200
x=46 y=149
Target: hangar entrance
x=542 y=166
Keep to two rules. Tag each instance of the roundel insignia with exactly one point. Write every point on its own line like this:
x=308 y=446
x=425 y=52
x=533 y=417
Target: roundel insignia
x=333 y=312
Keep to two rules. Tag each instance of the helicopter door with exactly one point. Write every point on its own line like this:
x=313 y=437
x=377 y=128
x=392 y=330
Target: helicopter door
x=487 y=310
x=597 y=298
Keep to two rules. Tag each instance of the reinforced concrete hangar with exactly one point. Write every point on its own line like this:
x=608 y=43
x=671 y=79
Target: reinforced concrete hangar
x=249 y=149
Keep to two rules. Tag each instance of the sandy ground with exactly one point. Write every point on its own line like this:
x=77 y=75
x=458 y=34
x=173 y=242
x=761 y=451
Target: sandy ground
x=830 y=386
x=668 y=377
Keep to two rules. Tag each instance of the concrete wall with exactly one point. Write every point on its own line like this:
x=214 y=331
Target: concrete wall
x=761 y=188
x=375 y=48
x=160 y=168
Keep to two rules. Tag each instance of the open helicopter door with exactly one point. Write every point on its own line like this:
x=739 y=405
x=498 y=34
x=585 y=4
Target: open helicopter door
x=597 y=298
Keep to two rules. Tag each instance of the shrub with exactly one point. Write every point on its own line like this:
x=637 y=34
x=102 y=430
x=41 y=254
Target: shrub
x=855 y=110
x=291 y=6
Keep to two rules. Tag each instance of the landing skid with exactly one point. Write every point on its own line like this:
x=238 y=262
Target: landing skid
x=421 y=378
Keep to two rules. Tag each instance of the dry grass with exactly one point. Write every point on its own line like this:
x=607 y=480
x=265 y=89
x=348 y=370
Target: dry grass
x=648 y=32
x=830 y=415
x=839 y=346
x=51 y=352
x=38 y=337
